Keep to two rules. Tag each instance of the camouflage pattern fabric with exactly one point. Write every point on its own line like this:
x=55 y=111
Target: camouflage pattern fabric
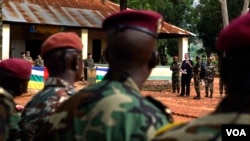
x=111 y=110
x=222 y=87
x=196 y=76
x=40 y=107
x=39 y=62
x=175 y=67
x=207 y=128
x=209 y=79
x=8 y=115
x=89 y=63
x=28 y=58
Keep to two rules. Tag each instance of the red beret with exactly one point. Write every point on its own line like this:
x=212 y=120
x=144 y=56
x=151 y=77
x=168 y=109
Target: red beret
x=236 y=35
x=16 y=67
x=61 y=40
x=146 y=21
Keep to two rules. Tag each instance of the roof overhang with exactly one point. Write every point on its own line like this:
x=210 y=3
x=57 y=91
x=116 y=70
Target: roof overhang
x=75 y=13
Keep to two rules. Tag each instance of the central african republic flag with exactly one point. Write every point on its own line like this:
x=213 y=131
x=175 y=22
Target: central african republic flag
x=37 y=78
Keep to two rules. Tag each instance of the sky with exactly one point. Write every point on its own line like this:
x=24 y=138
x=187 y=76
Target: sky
x=195 y=2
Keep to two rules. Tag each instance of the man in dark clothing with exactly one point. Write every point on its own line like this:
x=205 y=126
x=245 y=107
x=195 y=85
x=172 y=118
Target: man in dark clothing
x=186 y=75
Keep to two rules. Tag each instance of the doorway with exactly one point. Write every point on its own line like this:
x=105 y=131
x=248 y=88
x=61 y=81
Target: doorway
x=34 y=46
x=96 y=50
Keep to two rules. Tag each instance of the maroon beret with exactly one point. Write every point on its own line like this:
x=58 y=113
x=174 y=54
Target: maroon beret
x=146 y=21
x=17 y=67
x=236 y=35
x=61 y=40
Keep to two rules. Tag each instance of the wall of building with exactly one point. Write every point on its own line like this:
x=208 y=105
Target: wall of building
x=21 y=37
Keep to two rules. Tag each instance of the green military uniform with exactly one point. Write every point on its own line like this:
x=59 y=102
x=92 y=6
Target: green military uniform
x=40 y=107
x=8 y=116
x=196 y=76
x=209 y=79
x=88 y=64
x=207 y=128
x=111 y=110
x=222 y=87
x=175 y=67
x=39 y=62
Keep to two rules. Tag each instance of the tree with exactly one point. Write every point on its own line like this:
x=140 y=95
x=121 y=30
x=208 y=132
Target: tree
x=224 y=12
x=245 y=7
x=1 y=24
x=123 y=4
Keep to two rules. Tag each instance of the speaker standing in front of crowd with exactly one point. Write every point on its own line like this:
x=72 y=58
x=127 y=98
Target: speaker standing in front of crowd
x=114 y=109
x=186 y=75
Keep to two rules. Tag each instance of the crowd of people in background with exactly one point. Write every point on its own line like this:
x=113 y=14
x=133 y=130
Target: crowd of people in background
x=114 y=108
x=38 y=62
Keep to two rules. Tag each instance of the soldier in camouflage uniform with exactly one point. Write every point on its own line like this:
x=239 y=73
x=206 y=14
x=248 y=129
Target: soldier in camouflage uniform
x=234 y=108
x=114 y=109
x=209 y=78
x=88 y=64
x=28 y=57
x=62 y=53
x=175 y=68
x=196 y=76
x=7 y=109
x=14 y=77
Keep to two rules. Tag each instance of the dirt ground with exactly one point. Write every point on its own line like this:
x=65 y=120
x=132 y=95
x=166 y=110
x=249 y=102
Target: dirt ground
x=183 y=108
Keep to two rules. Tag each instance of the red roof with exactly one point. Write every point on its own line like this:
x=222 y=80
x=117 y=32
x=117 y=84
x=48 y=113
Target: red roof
x=76 y=13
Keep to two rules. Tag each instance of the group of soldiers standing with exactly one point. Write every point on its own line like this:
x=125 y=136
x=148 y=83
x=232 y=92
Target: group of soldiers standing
x=38 y=62
x=201 y=73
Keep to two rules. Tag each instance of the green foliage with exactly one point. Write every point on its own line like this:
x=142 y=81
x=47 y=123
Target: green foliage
x=203 y=19
x=210 y=20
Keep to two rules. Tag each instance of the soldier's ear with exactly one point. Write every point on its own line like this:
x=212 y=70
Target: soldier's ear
x=74 y=63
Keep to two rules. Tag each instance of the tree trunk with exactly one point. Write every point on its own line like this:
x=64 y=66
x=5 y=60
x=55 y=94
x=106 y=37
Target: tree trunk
x=245 y=7
x=1 y=26
x=224 y=12
x=123 y=5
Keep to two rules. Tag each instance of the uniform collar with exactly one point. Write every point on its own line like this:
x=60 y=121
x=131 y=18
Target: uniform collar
x=58 y=82
x=122 y=77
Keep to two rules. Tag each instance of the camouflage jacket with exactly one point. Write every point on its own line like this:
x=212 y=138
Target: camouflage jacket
x=29 y=58
x=89 y=63
x=207 y=128
x=197 y=70
x=111 y=110
x=39 y=62
x=210 y=71
x=8 y=115
x=40 y=107
x=175 y=67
